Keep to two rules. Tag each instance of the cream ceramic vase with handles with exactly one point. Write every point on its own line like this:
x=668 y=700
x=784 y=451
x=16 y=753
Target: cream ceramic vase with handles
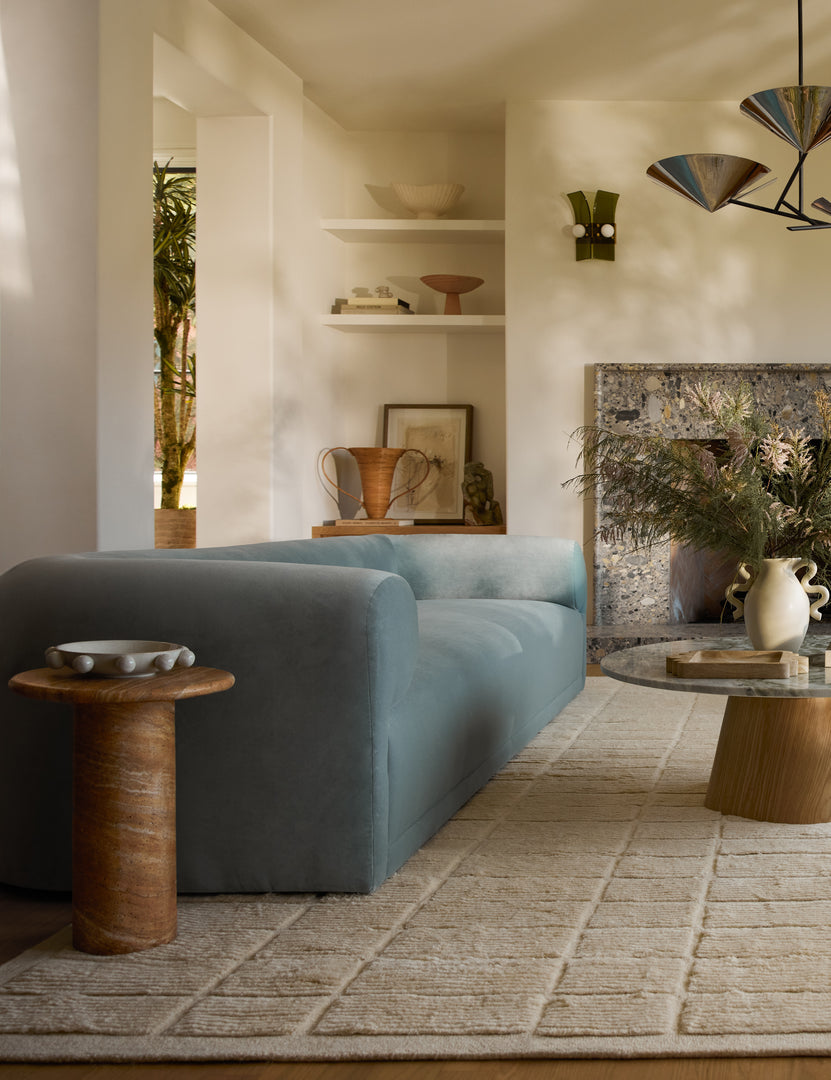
x=776 y=607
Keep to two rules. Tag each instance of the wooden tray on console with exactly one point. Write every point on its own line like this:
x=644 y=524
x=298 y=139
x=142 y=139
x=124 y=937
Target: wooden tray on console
x=736 y=664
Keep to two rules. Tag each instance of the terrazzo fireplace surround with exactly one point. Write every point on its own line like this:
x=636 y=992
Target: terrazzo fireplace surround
x=632 y=602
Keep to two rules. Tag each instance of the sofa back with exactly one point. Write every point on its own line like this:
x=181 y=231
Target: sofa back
x=369 y=552
x=435 y=565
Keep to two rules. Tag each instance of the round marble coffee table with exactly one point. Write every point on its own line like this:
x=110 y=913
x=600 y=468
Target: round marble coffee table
x=773 y=759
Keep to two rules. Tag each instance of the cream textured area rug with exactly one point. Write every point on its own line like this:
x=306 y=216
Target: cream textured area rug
x=584 y=903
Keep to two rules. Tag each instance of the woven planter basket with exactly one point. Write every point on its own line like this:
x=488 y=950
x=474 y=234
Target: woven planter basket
x=176 y=528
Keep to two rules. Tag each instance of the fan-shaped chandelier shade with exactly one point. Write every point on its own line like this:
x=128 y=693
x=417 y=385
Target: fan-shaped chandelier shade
x=801 y=115
x=709 y=180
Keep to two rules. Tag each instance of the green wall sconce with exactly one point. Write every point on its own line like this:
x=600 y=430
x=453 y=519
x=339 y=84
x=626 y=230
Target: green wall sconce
x=594 y=231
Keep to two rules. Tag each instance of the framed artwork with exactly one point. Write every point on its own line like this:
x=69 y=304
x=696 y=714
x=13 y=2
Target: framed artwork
x=444 y=433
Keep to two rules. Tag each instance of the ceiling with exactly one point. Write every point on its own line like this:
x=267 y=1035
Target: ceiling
x=452 y=64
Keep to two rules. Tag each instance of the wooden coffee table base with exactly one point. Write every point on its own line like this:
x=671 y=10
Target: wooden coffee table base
x=773 y=760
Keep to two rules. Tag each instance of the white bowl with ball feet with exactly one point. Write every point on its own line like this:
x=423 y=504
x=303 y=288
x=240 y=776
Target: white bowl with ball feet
x=119 y=659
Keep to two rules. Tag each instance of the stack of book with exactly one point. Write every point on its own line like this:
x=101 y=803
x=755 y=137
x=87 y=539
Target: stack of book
x=371 y=305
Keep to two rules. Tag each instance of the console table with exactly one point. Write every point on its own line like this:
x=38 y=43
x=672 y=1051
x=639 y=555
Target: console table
x=124 y=800
x=359 y=529
x=773 y=759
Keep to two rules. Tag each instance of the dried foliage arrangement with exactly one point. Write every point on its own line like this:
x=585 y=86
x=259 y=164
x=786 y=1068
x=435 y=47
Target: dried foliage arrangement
x=752 y=490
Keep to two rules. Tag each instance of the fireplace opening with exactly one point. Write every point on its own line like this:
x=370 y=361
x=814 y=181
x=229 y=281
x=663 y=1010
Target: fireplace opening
x=698 y=579
x=697 y=582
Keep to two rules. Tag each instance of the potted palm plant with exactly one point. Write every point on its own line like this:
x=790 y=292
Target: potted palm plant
x=174 y=294
x=752 y=491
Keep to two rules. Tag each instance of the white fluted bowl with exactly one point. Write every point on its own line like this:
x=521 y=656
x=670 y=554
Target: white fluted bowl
x=127 y=658
x=428 y=200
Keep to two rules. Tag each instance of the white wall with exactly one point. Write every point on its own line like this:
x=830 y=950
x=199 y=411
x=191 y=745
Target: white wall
x=71 y=393
x=235 y=288
x=174 y=134
x=686 y=286
x=125 y=281
x=47 y=347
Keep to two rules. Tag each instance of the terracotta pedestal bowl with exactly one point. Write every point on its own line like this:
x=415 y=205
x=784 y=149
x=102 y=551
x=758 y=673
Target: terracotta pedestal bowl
x=452 y=285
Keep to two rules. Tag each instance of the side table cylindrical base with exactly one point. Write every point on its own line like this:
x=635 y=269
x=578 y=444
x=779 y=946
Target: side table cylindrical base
x=124 y=827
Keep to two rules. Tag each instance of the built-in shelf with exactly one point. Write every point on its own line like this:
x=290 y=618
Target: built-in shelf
x=416 y=230
x=418 y=324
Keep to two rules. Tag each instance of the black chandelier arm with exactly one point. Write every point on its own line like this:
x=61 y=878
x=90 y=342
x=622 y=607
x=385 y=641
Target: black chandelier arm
x=799 y=213
x=792 y=212
x=796 y=172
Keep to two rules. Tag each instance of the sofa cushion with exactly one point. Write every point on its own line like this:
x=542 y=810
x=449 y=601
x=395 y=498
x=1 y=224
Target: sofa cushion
x=458 y=566
x=489 y=674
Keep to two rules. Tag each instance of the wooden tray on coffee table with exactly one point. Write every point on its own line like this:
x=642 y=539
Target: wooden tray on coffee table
x=737 y=664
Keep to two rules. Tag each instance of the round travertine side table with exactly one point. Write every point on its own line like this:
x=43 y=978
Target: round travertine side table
x=124 y=800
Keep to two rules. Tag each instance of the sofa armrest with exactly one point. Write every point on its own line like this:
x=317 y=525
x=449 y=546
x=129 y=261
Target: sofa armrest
x=287 y=772
x=494 y=567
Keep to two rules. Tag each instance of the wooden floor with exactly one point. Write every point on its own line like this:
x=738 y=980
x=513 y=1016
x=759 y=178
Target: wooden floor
x=670 y=1069
x=27 y=917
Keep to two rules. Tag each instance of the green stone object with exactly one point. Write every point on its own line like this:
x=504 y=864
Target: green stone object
x=477 y=488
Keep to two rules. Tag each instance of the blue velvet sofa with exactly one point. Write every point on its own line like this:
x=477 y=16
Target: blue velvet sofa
x=380 y=681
